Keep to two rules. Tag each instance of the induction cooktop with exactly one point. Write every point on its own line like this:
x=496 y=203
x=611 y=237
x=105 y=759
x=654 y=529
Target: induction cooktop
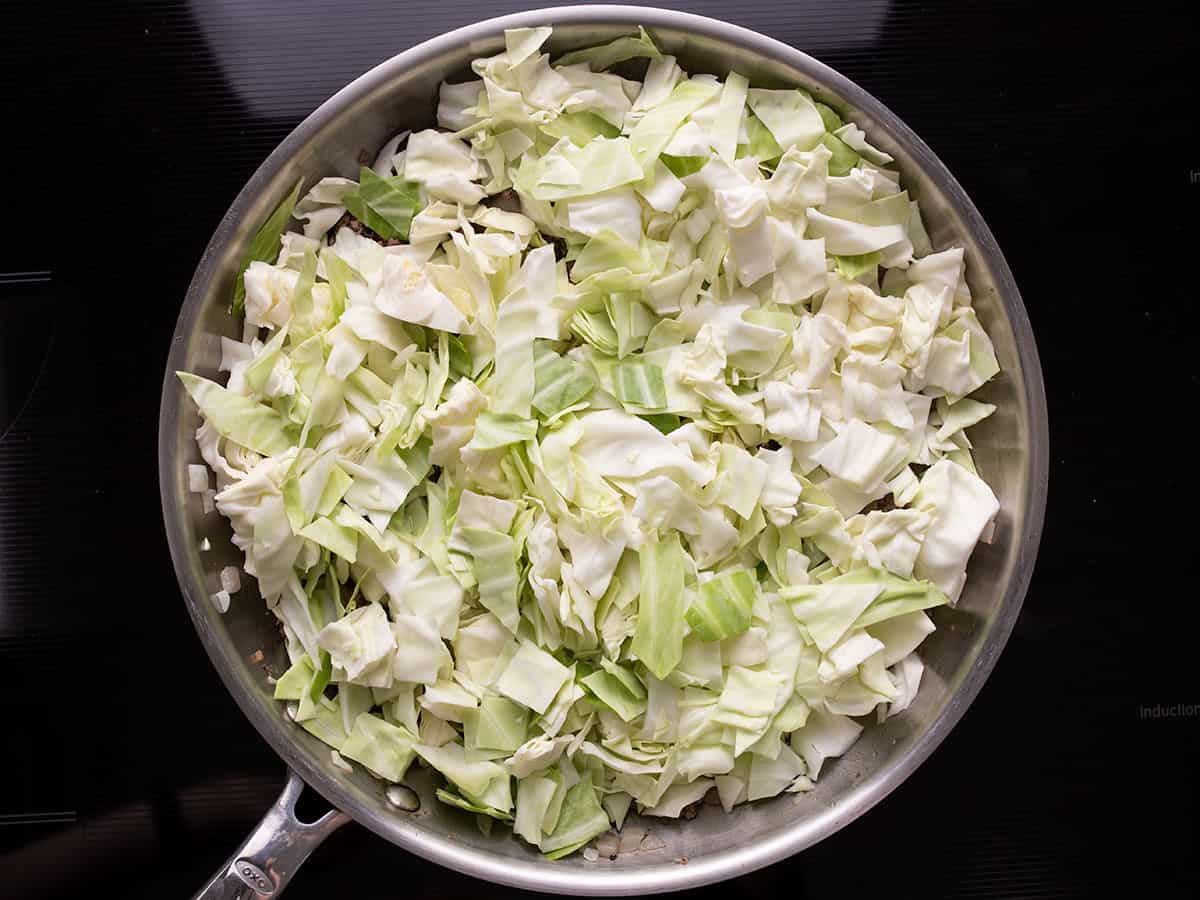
x=129 y=128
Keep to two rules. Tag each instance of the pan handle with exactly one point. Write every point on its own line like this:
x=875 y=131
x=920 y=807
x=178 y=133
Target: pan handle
x=266 y=861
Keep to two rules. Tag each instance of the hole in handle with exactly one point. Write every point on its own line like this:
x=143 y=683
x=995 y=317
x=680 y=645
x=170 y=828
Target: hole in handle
x=310 y=807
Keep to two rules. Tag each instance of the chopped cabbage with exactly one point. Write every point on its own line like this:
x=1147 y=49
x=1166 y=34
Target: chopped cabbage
x=643 y=491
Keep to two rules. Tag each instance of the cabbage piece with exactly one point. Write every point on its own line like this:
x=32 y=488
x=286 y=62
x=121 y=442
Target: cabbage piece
x=742 y=206
x=792 y=412
x=658 y=638
x=444 y=165
x=307 y=315
x=454 y=103
x=907 y=678
x=844 y=237
x=749 y=337
x=892 y=540
x=240 y=419
x=534 y=796
x=533 y=677
x=759 y=145
x=385 y=205
x=555 y=717
x=581 y=819
x=650 y=136
x=945 y=269
x=494 y=563
x=688 y=149
x=326 y=723
x=559 y=384
x=750 y=694
x=740 y=480
x=408 y=294
x=800 y=179
x=678 y=796
x=899 y=596
x=663 y=504
x=901 y=635
x=358 y=641
x=618 y=445
x=385 y=749
x=303 y=495
x=421 y=657
x=731 y=787
x=512 y=387
x=335 y=538
x=727 y=119
x=494 y=430
x=661 y=77
x=381 y=484
x=260 y=369
x=847 y=655
x=842 y=160
x=827 y=611
x=852 y=267
x=568 y=170
x=631 y=320
x=595 y=547
x=618 y=211
x=771 y=776
x=448 y=701
x=961 y=506
x=704 y=759
x=264 y=245
x=496 y=789
x=799 y=266
x=453 y=422
x=434 y=223
x=437 y=599
x=960 y=416
x=607 y=95
x=536 y=755
x=640 y=384
x=861 y=455
x=608 y=256
x=595 y=328
x=498 y=724
x=385 y=159
x=852 y=136
x=472 y=778
x=606 y=55
x=579 y=127
x=614 y=693
x=790 y=116
x=669 y=294
x=661 y=189
x=824 y=736
x=293 y=683
x=619 y=763
x=480 y=511
x=721 y=608
x=961 y=356
x=702 y=367
x=312 y=694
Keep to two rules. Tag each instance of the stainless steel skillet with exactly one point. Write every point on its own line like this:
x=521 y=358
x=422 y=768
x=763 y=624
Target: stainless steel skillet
x=1011 y=451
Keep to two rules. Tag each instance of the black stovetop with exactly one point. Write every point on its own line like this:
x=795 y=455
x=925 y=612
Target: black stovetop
x=129 y=128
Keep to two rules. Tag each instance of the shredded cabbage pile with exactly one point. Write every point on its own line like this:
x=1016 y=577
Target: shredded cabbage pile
x=642 y=491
